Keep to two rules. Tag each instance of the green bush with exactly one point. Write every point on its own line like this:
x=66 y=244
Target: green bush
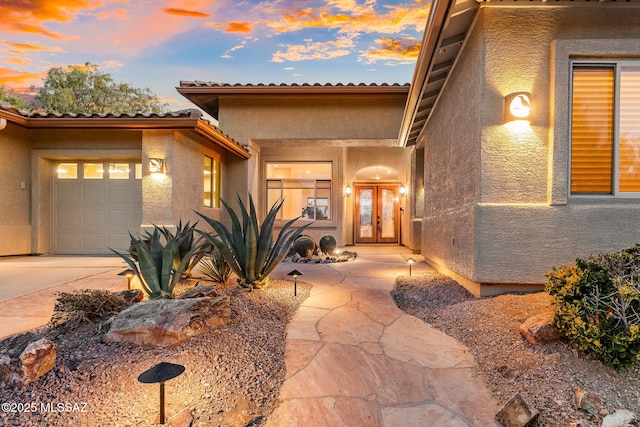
x=215 y=267
x=597 y=305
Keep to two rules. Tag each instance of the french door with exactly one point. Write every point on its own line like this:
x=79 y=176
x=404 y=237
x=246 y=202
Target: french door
x=377 y=213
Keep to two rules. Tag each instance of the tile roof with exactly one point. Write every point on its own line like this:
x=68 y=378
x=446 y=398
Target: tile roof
x=188 y=113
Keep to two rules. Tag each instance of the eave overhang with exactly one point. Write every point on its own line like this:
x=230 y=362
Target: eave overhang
x=206 y=95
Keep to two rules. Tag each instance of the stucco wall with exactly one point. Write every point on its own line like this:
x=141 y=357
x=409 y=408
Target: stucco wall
x=15 y=225
x=312 y=117
x=451 y=143
x=525 y=221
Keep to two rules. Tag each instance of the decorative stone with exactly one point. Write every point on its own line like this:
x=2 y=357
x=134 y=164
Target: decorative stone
x=131 y=296
x=200 y=291
x=589 y=402
x=620 y=418
x=517 y=413
x=37 y=359
x=167 y=322
x=181 y=419
x=541 y=328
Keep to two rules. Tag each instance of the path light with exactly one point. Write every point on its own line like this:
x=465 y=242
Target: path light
x=295 y=274
x=163 y=371
x=410 y=261
x=129 y=275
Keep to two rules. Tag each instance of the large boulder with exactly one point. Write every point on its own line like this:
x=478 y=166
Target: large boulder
x=167 y=322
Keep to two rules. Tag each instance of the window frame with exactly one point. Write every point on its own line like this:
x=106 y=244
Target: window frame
x=330 y=180
x=617 y=65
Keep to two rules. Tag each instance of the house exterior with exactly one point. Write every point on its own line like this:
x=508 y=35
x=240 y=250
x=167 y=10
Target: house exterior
x=504 y=202
x=79 y=184
x=438 y=165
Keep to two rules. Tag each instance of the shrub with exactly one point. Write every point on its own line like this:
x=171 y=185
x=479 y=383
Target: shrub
x=248 y=247
x=84 y=306
x=597 y=305
x=215 y=267
x=186 y=237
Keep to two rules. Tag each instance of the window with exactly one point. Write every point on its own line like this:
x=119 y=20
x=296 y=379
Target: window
x=119 y=171
x=211 y=182
x=605 y=132
x=67 y=171
x=93 y=171
x=305 y=188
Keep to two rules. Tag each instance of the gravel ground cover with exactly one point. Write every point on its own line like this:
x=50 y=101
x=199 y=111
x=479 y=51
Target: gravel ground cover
x=233 y=374
x=545 y=375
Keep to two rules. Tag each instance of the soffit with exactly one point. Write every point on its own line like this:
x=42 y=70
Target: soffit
x=448 y=25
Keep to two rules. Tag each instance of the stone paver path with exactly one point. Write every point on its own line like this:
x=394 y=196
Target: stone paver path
x=354 y=359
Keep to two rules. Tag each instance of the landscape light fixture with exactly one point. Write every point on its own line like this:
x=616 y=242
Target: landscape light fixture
x=295 y=274
x=517 y=106
x=156 y=166
x=128 y=273
x=410 y=261
x=160 y=373
x=347 y=190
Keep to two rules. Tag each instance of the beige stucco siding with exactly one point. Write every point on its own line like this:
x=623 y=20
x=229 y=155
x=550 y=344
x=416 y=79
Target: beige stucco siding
x=15 y=226
x=524 y=220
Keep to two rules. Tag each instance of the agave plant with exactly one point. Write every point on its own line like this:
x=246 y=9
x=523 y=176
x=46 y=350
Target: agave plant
x=248 y=247
x=187 y=243
x=159 y=267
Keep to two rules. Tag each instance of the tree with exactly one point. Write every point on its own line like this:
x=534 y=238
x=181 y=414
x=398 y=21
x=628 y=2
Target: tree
x=10 y=97
x=85 y=89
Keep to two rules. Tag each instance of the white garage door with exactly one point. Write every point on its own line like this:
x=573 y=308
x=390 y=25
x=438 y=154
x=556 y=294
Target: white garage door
x=96 y=204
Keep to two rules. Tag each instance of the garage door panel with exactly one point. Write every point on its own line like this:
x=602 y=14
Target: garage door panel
x=91 y=215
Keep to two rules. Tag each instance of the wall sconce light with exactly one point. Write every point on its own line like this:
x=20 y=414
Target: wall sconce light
x=517 y=106
x=347 y=190
x=156 y=166
x=3 y=123
x=403 y=190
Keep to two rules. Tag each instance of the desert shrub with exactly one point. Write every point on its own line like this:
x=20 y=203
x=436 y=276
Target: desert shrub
x=85 y=306
x=215 y=267
x=597 y=305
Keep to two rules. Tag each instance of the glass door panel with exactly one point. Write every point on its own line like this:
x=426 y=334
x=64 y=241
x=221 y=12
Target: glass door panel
x=376 y=213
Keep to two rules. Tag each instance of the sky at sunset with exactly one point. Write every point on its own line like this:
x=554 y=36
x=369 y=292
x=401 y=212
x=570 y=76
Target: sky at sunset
x=157 y=43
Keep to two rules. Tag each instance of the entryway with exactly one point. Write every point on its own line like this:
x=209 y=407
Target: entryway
x=377 y=213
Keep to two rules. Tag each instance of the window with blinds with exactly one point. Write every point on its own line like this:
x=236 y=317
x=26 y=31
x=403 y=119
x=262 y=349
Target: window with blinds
x=605 y=135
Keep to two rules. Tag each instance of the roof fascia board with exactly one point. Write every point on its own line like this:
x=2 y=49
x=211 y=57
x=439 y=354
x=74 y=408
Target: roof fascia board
x=438 y=14
x=111 y=123
x=217 y=137
x=294 y=90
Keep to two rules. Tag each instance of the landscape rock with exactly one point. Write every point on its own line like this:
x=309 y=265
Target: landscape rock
x=620 y=418
x=183 y=418
x=37 y=358
x=517 y=413
x=592 y=403
x=541 y=328
x=168 y=322
x=131 y=296
x=200 y=291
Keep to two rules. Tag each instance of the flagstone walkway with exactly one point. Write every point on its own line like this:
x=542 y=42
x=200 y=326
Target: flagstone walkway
x=354 y=359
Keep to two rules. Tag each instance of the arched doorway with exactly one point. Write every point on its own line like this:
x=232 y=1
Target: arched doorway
x=377 y=207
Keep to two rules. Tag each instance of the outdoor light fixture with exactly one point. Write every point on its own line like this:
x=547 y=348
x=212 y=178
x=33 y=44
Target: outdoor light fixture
x=410 y=261
x=128 y=273
x=517 y=106
x=163 y=371
x=295 y=274
x=156 y=166
x=347 y=190
x=403 y=190
x=3 y=123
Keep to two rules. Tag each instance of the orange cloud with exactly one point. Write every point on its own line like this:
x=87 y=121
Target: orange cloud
x=114 y=14
x=188 y=13
x=232 y=27
x=17 y=61
x=21 y=47
x=315 y=50
x=403 y=50
x=12 y=78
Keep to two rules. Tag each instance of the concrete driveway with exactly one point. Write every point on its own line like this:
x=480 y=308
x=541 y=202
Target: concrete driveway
x=28 y=285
